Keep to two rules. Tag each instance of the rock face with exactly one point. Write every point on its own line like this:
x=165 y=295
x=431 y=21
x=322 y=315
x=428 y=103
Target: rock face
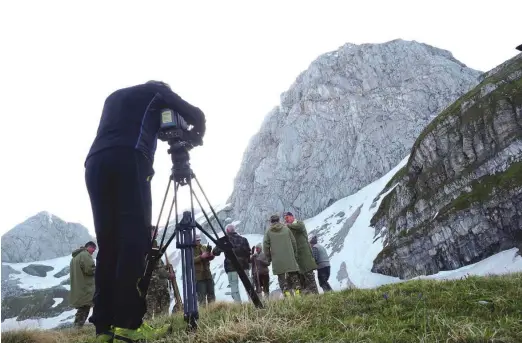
x=9 y=287
x=346 y=121
x=42 y=237
x=459 y=198
x=36 y=304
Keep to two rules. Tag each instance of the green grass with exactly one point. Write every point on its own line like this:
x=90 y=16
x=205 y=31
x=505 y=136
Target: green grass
x=485 y=187
x=413 y=311
x=455 y=109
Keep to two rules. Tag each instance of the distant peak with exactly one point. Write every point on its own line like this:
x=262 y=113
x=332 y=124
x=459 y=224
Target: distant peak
x=44 y=214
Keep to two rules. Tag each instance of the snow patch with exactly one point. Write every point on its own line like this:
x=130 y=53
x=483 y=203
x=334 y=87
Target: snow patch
x=30 y=282
x=57 y=301
x=42 y=323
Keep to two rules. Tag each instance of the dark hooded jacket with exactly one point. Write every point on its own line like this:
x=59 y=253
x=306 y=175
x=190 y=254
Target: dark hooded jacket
x=82 y=278
x=131 y=118
x=241 y=249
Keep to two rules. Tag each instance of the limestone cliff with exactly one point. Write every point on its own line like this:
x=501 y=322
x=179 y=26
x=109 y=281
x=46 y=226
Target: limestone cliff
x=346 y=121
x=459 y=198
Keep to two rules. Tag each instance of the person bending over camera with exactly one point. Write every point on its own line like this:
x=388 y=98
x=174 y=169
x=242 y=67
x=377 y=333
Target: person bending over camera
x=118 y=172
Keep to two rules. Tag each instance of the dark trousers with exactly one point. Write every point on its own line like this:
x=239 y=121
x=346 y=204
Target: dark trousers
x=323 y=275
x=81 y=315
x=118 y=182
x=205 y=291
x=261 y=283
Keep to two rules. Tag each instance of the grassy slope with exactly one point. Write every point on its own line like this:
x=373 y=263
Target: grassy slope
x=475 y=309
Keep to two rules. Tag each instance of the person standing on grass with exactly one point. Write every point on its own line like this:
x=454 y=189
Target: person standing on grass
x=82 y=282
x=323 y=264
x=280 y=249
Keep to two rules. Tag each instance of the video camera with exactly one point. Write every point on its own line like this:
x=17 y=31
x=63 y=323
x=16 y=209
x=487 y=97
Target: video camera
x=174 y=128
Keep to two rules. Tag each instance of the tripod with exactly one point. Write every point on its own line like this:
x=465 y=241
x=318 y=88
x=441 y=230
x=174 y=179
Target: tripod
x=185 y=233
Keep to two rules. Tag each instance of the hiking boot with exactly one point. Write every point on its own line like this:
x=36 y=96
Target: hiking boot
x=144 y=333
x=287 y=294
x=297 y=293
x=105 y=337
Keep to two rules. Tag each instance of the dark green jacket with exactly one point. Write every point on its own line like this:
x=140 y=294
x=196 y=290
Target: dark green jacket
x=202 y=265
x=280 y=248
x=82 y=278
x=305 y=258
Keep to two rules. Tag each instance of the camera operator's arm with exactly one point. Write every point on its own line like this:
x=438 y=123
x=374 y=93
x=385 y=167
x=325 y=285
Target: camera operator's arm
x=192 y=114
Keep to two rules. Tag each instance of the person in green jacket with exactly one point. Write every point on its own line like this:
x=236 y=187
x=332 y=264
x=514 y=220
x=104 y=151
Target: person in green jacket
x=305 y=258
x=204 y=280
x=82 y=282
x=280 y=249
x=158 y=295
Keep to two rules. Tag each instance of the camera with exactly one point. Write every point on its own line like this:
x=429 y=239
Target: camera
x=172 y=126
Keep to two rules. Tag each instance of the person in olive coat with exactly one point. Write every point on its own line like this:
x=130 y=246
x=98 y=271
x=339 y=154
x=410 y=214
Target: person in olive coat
x=305 y=258
x=82 y=282
x=280 y=249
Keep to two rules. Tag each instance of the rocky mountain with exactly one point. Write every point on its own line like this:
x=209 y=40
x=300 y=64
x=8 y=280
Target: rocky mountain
x=346 y=121
x=43 y=236
x=459 y=198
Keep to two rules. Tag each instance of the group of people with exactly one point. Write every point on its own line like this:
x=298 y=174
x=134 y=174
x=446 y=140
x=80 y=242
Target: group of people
x=285 y=247
x=118 y=174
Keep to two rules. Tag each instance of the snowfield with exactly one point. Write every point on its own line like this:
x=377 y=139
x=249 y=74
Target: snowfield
x=355 y=249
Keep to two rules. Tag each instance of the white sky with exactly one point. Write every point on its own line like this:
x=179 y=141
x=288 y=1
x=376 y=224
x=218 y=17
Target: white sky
x=60 y=59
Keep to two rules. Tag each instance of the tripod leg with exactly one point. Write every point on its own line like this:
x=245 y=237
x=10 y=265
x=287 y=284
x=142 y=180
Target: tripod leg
x=209 y=205
x=190 y=304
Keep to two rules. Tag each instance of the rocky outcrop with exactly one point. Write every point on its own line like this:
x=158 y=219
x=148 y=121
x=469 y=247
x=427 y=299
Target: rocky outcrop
x=45 y=303
x=459 y=198
x=42 y=237
x=345 y=122
x=9 y=286
x=37 y=270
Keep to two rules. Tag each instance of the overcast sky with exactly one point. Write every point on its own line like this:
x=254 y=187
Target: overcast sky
x=61 y=59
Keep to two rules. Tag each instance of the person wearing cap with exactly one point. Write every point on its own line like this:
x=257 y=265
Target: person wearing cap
x=280 y=249
x=242 y=250
x=323 y=263
x=305 y=258
x=204 y=280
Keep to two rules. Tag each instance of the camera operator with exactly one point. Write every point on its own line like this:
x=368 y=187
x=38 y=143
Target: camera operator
x=119 y=169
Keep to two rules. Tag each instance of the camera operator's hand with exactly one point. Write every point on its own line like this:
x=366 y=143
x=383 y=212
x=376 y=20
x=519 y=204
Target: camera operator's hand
x=193 y=115
x=205 y=255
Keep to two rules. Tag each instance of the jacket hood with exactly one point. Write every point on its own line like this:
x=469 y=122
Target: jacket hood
x=77 y=251
x=276 y=227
